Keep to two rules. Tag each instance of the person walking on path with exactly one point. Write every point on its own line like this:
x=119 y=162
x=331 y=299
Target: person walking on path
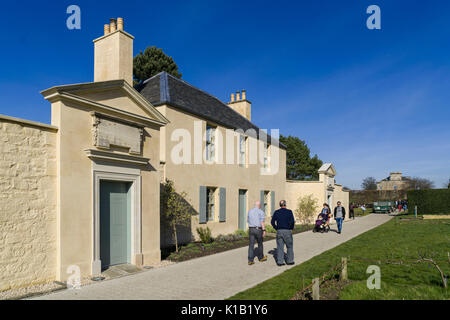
x=283 y=221
x=339 y=216
x=256 y=233
x=352 y=211
x=327 y=211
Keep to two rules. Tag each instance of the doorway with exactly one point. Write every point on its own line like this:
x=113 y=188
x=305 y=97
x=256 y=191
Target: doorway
x=115 y=223
x=242 y=209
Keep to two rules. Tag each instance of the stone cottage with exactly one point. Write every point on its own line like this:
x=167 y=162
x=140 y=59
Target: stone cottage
x=84 y=191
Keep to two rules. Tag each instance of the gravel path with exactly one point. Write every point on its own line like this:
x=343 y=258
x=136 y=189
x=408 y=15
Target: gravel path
x=217 y=276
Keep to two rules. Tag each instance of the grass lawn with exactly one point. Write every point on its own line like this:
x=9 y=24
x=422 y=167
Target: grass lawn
x=399 y=239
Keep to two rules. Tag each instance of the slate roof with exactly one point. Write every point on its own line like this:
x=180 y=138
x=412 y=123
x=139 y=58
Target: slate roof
x=164 y=88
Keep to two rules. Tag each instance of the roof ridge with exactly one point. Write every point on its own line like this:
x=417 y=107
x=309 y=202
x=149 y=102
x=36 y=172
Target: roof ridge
x=214 y=97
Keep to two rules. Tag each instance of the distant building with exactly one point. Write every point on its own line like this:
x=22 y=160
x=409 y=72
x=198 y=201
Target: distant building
x=395 y=181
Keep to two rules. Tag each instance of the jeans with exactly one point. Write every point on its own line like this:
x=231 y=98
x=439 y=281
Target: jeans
x=284 y=237
x=339 y=223
x=255 y=235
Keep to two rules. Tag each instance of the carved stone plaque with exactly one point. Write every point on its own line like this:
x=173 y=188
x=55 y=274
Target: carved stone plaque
x=109 y=133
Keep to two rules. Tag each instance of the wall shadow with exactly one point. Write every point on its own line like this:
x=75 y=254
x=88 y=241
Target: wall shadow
x=184 y=232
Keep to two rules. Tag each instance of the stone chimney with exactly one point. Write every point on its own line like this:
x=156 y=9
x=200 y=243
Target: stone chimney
x=241 y=105
x=114 y=53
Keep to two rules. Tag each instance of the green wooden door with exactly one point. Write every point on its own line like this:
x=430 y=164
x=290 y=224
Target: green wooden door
x=115 y=223
x=242 y=209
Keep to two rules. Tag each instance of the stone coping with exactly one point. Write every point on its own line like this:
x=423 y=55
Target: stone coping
x=28 y=123
x=305 y=181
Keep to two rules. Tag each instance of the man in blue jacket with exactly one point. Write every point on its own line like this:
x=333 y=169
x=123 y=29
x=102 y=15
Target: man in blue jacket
x=283 y=221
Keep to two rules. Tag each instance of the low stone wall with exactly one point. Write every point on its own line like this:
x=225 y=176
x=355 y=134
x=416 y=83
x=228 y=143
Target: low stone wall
x=27 y=203
x=296 y=189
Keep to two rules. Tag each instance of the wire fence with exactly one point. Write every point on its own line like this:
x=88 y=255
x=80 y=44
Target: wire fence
x=340 y=269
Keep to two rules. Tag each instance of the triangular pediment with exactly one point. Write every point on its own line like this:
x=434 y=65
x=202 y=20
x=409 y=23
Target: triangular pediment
x=328 y=169
x=116 y=94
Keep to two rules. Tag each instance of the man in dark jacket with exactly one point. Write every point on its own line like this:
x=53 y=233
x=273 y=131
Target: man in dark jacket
x=339 y=216
x=283 y=221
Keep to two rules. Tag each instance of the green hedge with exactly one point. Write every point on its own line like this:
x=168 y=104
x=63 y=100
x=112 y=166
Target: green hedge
x=370 y=196
x=432 y=201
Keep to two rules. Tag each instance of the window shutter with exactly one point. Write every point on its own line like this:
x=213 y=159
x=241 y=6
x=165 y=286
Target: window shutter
x=223 y=205
x=272 y=202
x=202 y=205
x=261 y=199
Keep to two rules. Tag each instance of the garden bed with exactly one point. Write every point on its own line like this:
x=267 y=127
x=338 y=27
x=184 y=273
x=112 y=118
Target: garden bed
x=197 y=249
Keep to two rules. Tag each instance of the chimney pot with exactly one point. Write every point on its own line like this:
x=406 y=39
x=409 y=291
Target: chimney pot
x=112 y=25
x=244 y=95
x=232 y=97
x=106 y=29
x=120 y=24
x=238 y=96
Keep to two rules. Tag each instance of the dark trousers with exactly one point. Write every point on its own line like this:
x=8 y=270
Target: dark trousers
x=255 y=235
x=284 y=237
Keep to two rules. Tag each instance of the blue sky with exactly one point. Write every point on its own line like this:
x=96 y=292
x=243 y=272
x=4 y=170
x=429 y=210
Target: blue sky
x=370 y=101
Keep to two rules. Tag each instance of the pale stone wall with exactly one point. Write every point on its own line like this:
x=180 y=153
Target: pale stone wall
x=27 y=203
x=343 y=197
x=392 y=185
x=318 y=190
x=232 y=177
x=297 y=189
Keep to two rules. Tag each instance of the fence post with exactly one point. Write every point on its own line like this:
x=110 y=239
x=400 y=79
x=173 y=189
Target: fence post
x=315 y=289
x=415 y=212
x=344 y=269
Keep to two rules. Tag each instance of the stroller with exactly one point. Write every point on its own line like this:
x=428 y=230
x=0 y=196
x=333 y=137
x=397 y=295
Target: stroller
x=321 y=224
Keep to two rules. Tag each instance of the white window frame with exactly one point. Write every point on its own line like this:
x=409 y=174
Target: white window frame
x=266 y=156
x=211 y=203
x=266 y=202
x=242 y=151
x=210 y=143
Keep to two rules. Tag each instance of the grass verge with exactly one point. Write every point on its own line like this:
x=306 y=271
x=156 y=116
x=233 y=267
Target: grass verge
x=399 y=239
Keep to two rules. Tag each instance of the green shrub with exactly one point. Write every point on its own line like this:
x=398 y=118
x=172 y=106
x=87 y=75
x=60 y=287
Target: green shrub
x=429 y=201
x=306 y=209
x=242 y=233
x=205 y=235
x=270 y=229
x=228 y=237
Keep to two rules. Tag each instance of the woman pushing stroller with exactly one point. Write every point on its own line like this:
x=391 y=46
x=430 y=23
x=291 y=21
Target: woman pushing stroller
x=323 y=220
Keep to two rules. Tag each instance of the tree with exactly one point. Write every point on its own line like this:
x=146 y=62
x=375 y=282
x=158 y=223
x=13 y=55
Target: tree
x=416 y=183
x=176 y=210
x=299 y=164
x=306 y=209
x=151 y=62
x=369 y=183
